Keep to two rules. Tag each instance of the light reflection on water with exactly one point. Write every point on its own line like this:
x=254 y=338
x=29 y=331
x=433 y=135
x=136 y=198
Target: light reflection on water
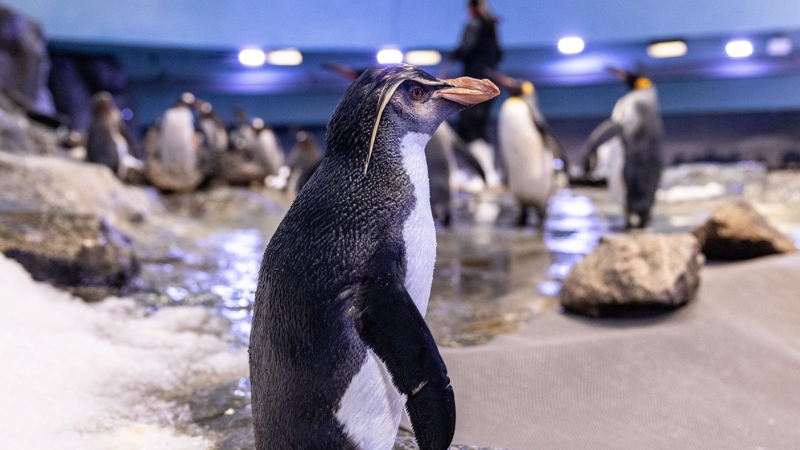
x=219 y=271
x=489 y=277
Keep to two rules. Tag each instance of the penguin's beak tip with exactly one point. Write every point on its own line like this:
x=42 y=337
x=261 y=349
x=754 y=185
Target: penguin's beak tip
x=468 y=91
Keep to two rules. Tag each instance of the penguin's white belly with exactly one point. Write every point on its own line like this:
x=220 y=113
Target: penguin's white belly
x=178 y=152
x=371 y=407
x=530 y=164
x=419 y=232
x=616 y=164
x=122 y=152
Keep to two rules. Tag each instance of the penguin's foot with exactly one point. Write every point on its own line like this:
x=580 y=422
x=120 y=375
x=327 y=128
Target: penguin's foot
x=523 y=217
x=635 y=220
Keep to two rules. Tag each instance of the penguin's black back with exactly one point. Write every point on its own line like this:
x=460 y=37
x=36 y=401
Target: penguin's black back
x=642 y=171
x=101 y=148
x=304 y=347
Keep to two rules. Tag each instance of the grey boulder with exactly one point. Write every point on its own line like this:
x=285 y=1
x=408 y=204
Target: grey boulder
x=67 y=249
x=736 y=231
x=631 y=271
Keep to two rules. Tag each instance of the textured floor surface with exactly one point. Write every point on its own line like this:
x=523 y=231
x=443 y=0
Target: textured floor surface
x=722 y=372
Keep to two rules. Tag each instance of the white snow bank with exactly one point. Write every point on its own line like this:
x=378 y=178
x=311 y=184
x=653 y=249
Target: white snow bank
x=102 y=376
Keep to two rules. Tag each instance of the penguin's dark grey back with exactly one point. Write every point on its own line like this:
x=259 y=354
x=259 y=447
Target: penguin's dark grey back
x=643 y=164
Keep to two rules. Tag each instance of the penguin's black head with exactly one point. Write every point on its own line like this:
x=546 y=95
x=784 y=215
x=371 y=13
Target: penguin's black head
x=634 y=80
x=412 y=100
x=102 y=104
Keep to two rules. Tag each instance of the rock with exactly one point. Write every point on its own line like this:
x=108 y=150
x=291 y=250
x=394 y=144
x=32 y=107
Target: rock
x=24 y=63
x=223 y=412
x=14 y=136
x=51 y=183
x=736 y=231
x=626 y=272
x=22 y=135
x=408 y=443
x=67 y=249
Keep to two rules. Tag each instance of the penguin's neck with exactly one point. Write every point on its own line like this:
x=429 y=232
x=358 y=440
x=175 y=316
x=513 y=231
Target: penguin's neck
x=419 y=232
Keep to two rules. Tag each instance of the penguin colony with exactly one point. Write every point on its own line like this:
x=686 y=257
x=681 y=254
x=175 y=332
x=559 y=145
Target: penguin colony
x=338 y=344
x=190 y=147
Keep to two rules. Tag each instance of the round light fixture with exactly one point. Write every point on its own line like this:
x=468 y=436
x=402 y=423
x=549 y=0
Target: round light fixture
x=390 y=56
x=252 y=57
x=739 y=49
x=570 y=45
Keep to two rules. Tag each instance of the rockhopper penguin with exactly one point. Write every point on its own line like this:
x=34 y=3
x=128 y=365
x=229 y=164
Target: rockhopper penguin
x=338 y=343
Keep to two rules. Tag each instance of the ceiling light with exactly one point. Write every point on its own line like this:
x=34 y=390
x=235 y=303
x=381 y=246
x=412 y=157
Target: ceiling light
x=739 y=49
x=285 y=57
x=779 y=46
x=667 y=49
x=252 y=57
x=570 y=45
x=390 y=56
x=423 y=57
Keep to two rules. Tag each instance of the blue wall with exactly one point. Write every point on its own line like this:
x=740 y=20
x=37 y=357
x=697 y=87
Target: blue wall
x=677 y=98
x=340 y=24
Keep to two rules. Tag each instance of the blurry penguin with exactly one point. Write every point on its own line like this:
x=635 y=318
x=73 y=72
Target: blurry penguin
x=243 y=162
x=528 y=146
x=634 y=167
x=173 y=149
x=304 y=159
x=269 y=150
x=215 y=137
x=441 y=154
x=109 y=143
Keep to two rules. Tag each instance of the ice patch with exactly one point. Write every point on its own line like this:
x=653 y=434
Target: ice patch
x=102 y=376
x=691 y=193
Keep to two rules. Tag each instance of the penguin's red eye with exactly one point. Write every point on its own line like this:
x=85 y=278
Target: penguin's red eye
x=417 y=93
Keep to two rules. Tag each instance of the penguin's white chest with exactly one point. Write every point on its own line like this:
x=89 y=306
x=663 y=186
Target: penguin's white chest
x=419 y=232
x=371 y=407
x=530 y=164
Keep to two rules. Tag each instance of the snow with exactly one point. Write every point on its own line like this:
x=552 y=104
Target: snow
x=102 y=376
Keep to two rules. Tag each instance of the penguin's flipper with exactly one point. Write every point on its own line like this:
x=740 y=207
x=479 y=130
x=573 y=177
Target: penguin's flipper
x=605 y=131
x=391 y=325
x=461 y=150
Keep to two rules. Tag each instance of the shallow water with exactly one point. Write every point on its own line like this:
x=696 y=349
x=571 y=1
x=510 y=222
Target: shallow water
x=490 y=276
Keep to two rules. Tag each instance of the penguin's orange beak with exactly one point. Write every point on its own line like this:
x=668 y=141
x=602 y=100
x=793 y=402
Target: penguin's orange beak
x=468 y=91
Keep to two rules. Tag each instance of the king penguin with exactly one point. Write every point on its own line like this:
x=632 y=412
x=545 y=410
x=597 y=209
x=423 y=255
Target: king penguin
x=529 y=148
x=634 y=168
x=338 y=343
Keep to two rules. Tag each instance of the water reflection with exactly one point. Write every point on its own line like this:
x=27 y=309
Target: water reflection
x=219 y=271
x=490 y=276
